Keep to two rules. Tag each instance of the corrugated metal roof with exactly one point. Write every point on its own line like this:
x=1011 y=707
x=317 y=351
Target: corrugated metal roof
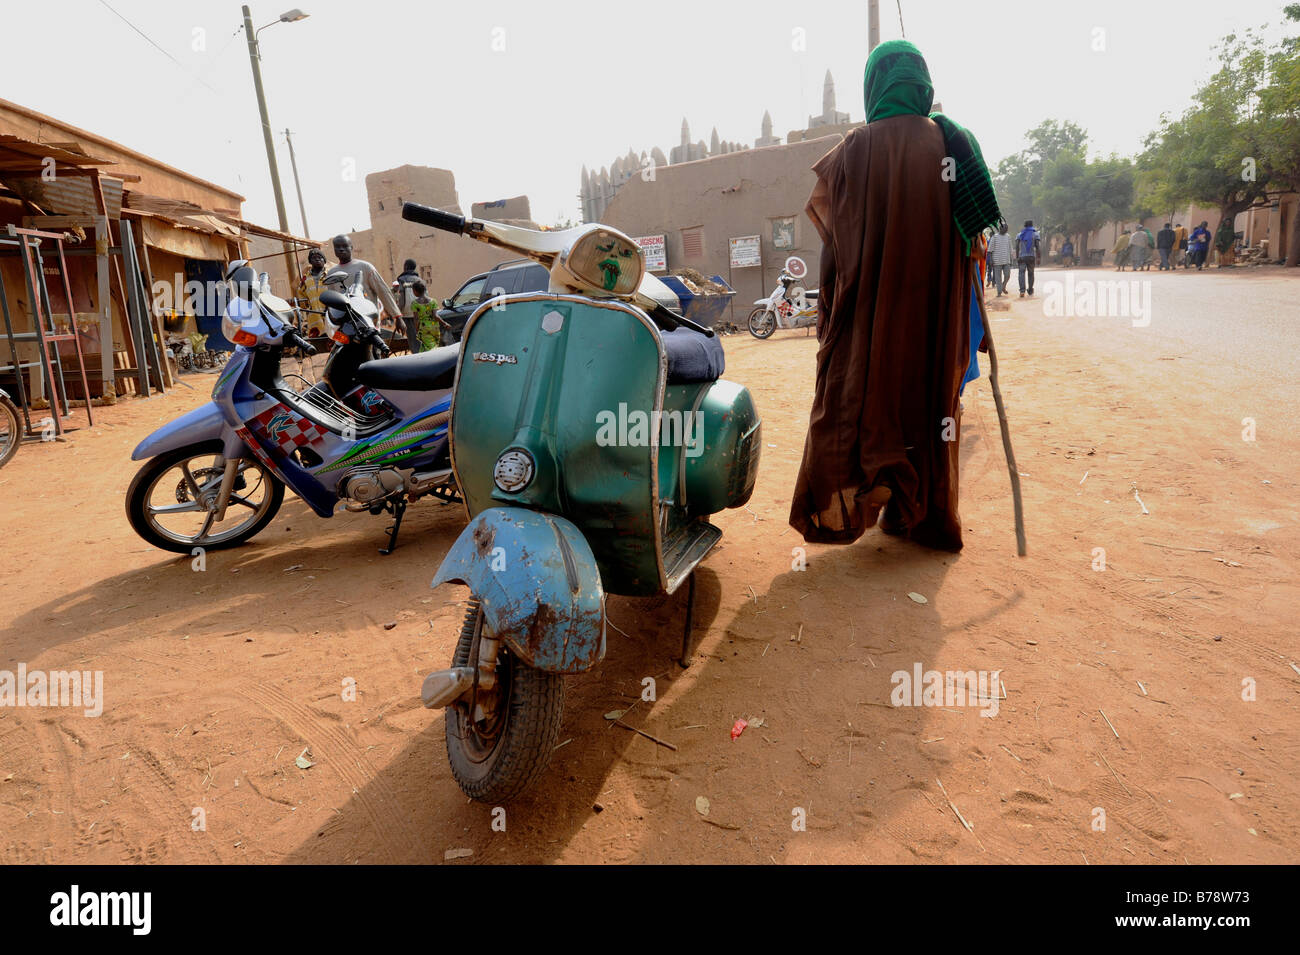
x=66 y=195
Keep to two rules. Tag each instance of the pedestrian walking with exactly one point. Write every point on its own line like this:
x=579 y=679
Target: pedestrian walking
x=1000 y=255
x=894 y=342
x=1121 y=249
x=1139 y=244
x=1029 y=252
x=1164 y=245
x=1198 y=244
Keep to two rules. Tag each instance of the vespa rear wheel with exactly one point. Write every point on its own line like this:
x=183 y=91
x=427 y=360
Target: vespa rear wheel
x=499 y=741
x=762 y=323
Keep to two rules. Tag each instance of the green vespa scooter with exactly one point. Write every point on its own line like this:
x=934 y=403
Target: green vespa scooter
x=592 y=438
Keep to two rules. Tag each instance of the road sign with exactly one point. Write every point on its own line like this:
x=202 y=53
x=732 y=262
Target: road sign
x=796 y=266
x=746 y=251
x=655 y=252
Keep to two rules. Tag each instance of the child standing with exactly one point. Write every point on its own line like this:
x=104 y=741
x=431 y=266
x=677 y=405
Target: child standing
x=424 y=317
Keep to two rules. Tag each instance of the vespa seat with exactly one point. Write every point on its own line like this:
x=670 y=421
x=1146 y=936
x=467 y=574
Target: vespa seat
x=692 y=357
x=427 y=371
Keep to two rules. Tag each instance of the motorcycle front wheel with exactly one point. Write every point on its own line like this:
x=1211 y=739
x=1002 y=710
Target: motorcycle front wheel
x=500 y=742
x=762 y=323
x=171 y=500
x=11 y=430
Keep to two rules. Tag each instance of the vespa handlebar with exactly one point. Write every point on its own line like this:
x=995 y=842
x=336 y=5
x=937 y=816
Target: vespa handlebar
x=427 y=215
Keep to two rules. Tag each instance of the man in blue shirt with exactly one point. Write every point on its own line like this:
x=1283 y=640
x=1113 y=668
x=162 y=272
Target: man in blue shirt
x=1029 y=252
x=1198 y=244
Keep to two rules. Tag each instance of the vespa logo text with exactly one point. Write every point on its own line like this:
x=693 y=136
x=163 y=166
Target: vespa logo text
x=639 y=429
x=495 y=359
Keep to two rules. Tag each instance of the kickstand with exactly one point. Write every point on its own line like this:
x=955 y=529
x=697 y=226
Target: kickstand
x=399 y=509
x=685 y=660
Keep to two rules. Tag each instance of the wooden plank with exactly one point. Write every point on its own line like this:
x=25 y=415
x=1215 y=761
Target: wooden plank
x=157 y=321
x=116 y=272
x=139 y=327
x=104 y=298
x=76 y=334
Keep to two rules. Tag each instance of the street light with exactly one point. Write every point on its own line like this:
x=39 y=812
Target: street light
x=255 y=56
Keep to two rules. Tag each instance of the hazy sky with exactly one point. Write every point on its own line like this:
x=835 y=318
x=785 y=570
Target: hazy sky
x=514 y=96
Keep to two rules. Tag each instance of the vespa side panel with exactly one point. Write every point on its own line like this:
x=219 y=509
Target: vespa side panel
x=723 y=473
x=575 y=381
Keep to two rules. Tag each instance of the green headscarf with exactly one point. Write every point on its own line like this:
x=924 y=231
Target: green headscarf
x=897 y=83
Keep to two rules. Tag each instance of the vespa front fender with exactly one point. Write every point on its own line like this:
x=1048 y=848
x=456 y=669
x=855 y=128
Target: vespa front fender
x=538 y=584
x=204 y=423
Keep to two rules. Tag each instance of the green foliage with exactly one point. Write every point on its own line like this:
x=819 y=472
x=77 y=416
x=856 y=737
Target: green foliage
x=1241 y=139
x=1078 y=196
x=1017 y=176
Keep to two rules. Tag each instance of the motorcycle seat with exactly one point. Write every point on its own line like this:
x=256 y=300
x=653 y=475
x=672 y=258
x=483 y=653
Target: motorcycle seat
x=692 y=357
x=433 y=370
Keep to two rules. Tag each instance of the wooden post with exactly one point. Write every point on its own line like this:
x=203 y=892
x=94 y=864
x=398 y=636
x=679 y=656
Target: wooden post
x=155 y=323
x=104 y=299
x=116 y=271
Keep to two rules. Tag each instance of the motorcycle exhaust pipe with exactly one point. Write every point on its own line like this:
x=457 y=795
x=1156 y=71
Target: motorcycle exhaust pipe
x=444 y=687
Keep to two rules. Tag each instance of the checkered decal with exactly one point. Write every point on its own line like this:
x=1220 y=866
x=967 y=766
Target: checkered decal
x=282 y=427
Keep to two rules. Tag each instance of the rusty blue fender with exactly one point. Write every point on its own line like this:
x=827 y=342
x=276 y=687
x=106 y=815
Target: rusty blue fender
x=538 y=584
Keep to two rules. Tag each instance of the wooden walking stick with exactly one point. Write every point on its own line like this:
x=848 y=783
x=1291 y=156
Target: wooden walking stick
x=1006 y=431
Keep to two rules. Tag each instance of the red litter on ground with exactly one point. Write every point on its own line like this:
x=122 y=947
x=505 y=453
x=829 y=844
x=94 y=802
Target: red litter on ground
x=738 y=729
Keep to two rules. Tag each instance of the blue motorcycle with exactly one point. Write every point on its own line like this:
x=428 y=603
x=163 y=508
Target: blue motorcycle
x=372 y=434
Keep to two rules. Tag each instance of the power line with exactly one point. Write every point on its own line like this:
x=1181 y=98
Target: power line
x=901 y=28
x=149 y=40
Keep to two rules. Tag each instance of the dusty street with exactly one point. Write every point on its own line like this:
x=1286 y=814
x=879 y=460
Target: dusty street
x=1150 y=711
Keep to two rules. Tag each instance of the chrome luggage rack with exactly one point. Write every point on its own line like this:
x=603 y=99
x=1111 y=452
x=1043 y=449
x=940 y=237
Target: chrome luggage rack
x=326 y=402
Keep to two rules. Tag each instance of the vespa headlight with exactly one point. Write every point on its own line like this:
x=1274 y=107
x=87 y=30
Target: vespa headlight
x=514 y=470
x=605 y=261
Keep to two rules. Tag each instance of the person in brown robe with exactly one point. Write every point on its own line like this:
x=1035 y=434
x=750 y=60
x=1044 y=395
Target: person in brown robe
x=898 y=270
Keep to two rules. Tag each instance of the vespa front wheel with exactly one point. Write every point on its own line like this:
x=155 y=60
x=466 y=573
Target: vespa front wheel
x=762 y=323
x=500 y=739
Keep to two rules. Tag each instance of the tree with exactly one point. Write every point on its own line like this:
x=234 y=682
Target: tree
x=1018 y=175
x=1216 y=152
x=1079 y=196
x=1279 y=103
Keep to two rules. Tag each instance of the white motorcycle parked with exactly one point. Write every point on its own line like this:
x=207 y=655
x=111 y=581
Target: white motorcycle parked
x=789 y=306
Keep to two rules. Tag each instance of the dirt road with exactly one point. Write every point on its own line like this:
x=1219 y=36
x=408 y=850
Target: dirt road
x=1150 y=710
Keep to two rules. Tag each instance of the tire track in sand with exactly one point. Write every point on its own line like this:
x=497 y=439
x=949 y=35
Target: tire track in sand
x=332 y=746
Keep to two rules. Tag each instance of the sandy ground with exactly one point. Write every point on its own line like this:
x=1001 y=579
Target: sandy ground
x=216 y=681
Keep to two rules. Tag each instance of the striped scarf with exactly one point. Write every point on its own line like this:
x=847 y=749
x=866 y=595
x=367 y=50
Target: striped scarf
x=896 y=83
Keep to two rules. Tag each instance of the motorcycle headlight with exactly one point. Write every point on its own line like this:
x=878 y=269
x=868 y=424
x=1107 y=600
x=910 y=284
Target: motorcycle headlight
x=605 y=261
x=236 y=320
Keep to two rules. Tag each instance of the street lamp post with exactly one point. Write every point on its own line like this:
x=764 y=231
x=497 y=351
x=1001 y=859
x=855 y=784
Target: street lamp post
x=255 y=56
